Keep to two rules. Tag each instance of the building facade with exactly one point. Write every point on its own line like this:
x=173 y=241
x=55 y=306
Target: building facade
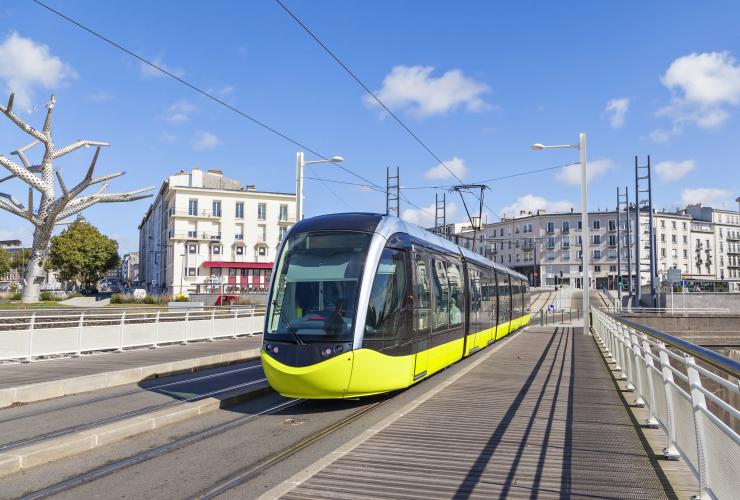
x=547 y=247
x=205 y=231
x=130 y=269
x=716 y=244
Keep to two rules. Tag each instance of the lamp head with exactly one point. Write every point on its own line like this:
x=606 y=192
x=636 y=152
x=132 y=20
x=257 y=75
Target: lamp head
x=537 y=147
x=337 y=159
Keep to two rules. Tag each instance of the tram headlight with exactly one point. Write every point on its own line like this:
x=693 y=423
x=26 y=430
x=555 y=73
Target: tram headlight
x=268 y=347
x=275 y=349
x=326 y=352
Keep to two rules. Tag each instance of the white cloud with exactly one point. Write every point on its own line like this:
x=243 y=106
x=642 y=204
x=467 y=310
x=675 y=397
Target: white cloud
x=222 y=92
x=148 y=71
x=674 y=170
x=424 y=216
x=26 y=66
x=617 y=109
x=661 y=135
x=532 y=203
x=713 y=197
x=456 y=165
x=703 y=87
x=179 y=112
x=168 y=137
x=205 y=141
x=414 y=89
x=572 y=174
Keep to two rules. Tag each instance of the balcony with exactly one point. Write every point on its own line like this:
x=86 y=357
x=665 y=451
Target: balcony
x=196 y=214
x=287 y=220
x=196 y=236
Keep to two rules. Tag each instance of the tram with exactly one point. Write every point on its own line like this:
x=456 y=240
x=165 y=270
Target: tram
x=364 y=304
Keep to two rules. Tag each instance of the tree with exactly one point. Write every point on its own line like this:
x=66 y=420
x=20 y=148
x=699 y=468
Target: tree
x=5 y=262
x=81 y=253
x=51 y=210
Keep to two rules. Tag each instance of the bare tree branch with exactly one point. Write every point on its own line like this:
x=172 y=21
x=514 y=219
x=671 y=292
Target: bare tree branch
x=12 y=200
x=8 y=111
x=21 y=152
x=30 y=202
x=77 y=145
x=23 y=174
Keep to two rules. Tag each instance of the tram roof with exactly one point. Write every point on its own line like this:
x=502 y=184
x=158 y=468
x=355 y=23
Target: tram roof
x=387 y=226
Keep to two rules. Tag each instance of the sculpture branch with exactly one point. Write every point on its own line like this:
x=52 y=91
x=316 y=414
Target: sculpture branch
x=8 y=111
x=80 y=204
x=77 y=145
x=21 y=153
x=22 y=173
x=18 y=211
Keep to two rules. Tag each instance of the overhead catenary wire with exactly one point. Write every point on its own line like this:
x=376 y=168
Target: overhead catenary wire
x=202 y=92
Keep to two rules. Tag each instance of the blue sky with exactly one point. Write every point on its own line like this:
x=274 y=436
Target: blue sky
x=477 y=81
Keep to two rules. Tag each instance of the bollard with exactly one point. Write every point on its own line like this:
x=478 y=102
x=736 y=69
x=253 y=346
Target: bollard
x=79 y=334
x=120 y=334
x=156 y=330
x=30 y=337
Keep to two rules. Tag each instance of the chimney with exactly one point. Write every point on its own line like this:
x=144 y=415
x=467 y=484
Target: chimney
x=251 y=187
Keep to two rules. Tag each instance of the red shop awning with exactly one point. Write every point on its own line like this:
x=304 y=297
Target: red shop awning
x=238 y=265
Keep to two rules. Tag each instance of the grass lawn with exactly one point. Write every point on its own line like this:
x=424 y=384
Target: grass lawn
x=16 y=304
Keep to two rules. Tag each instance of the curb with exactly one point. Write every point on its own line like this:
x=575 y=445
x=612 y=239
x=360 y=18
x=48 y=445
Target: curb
x=86 y=383
x=80 y=442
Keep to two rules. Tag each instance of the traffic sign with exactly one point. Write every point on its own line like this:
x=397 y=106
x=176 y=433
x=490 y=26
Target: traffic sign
x=674 y=275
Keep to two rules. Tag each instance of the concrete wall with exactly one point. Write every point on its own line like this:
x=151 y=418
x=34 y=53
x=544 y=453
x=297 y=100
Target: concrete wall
x=702 y=329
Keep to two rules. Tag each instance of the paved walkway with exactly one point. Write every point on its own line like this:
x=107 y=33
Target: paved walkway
x=541 y=417
x=14 y=375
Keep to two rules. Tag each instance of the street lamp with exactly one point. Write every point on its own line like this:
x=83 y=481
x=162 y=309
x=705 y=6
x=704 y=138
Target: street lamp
x=299 y=164
x=586 y=279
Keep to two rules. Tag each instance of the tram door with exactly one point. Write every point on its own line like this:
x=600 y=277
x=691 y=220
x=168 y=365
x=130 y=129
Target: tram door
x=422 y=314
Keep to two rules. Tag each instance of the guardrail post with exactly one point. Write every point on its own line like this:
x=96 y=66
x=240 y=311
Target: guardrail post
x=213 y=323
x=652 y=420
x=236 y=315
x=187 y=317
x=699 y=404
x=120 y=334
x=31 y=325
x=670 y=452
x=640 y=387
x=156 y=330
x=79 y=334
x=251 y=322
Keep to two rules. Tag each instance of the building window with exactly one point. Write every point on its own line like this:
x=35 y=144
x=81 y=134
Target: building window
x=550 y=242
x=685 y=254
x=216 y=249
x=597 y=269
x=215 y=271
x=239 y=210
x=612 y=269
x=662 y=224
x=566 y=226
x=261 y=251
x=192 y=249
x=566 y=242
x=597 y=224
x=580 y=225
x=597 y=254
x=662 y=252
x=216 y=208
x=684 y=225
x=263 y=233
x=597 y=239
x=283 y=232
x=612 y=240
x=673 y=238
x=612 y=225
x=239 y=250
x=566 y=256
x=261 y=211
x=192 y=207
x=283 y=212
x=233 y=271
x=550 y=227
x=192 y=271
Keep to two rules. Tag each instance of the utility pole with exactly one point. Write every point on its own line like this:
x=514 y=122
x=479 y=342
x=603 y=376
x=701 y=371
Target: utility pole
x=644 y=199
x=475 y=222
x=440 y=209
x=623 y=204
x=619 y=246
x=392 y=192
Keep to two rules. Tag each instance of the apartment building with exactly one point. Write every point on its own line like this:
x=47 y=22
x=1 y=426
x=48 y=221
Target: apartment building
x=547 y=247
x=715 y=244
x=206 y=230
x=130 y=269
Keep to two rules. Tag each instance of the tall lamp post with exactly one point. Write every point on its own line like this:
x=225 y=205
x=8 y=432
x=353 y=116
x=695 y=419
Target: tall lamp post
x=585 y=245
x=299 y=164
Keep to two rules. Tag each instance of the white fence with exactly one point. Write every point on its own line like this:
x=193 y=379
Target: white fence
x=687 y=401
x=29 y=334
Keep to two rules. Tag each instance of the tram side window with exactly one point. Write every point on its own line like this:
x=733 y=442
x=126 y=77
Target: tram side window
x=504 y=298
x=456 y=294
x=477 y=313
x=422 y=295
x=488 y=318
x=515 y=299
x=441 y=295
x=386 y=324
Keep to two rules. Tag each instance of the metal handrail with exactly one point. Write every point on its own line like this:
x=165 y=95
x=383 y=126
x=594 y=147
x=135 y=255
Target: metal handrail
x=708 y=356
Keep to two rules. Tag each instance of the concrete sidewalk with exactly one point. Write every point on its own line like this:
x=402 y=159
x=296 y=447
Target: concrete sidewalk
x=24 y=383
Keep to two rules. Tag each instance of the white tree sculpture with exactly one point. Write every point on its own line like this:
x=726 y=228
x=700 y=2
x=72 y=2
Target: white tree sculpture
x=51 y=210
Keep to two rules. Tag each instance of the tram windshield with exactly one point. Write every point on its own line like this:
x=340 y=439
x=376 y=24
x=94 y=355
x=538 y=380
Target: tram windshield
x=314 y=294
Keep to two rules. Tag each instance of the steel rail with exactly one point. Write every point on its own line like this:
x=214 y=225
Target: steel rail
x=123 y=416
x=245 y=474
x=155 y=452
x=727 y=365
x=130 y=392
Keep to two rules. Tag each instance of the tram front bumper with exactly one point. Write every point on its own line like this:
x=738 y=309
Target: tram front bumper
x=324 y=380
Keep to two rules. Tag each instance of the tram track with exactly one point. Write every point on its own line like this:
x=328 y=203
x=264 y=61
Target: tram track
x=143 y=411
